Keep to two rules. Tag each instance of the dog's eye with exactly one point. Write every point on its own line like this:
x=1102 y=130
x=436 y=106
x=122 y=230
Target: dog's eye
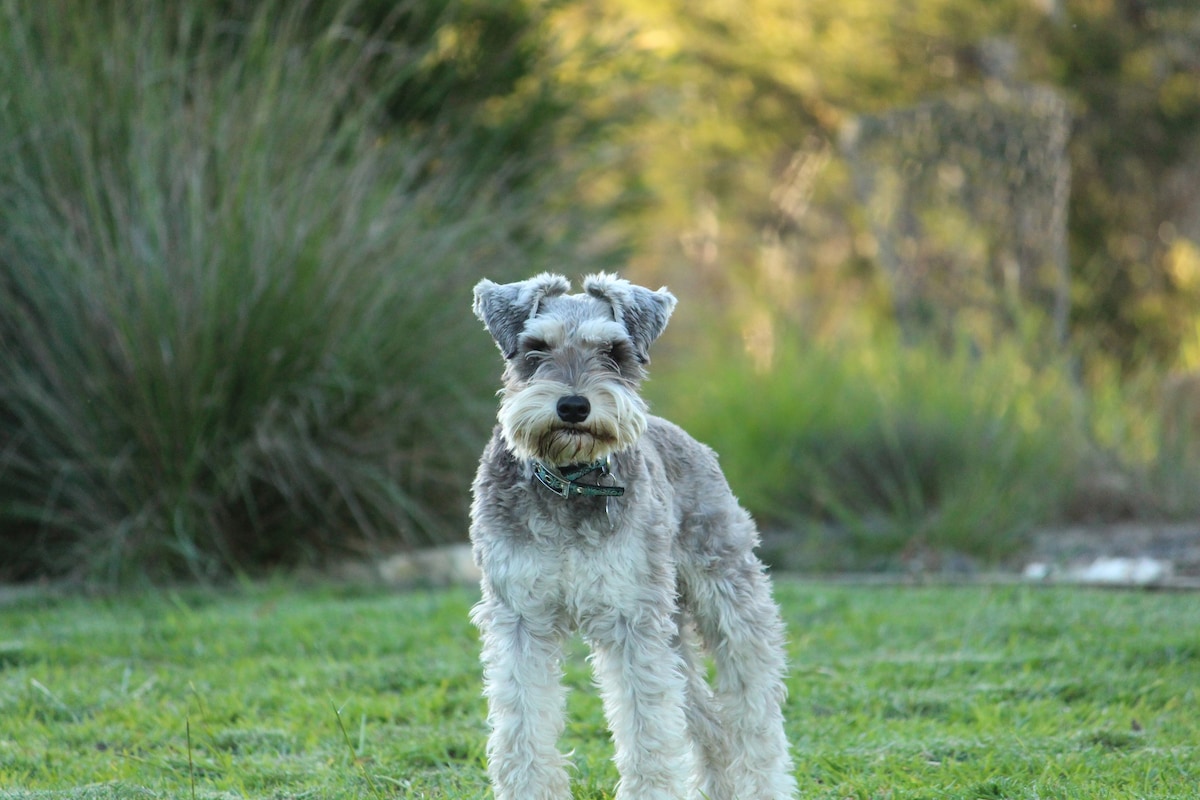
x=535 y=347
x=617 y=351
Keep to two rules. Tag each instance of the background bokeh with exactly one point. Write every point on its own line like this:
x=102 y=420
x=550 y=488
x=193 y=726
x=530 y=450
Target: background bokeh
x=938 y=263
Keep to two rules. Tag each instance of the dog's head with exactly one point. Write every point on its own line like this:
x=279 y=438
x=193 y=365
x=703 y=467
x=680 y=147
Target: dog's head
x=573 y=362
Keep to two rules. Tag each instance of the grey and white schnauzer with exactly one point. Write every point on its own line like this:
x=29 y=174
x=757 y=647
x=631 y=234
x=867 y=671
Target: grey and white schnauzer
x=590 y=514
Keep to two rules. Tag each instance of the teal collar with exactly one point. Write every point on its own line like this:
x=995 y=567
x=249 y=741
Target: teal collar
x=563 y=481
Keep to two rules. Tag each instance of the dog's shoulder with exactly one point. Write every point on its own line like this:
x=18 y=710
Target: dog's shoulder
x=709 y=514
x=681 y=454
x=496 y=491
x=498 y=466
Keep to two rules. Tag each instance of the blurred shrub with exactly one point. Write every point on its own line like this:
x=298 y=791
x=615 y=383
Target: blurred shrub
x=889 y=445
x=233 y=297
x=470 y=72
x=1144 y=459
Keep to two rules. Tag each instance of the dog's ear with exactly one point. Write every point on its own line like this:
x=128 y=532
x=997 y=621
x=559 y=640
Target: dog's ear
x=644 y=313
x=505 y=308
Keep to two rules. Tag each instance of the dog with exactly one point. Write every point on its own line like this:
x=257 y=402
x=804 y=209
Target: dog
x=590 y=514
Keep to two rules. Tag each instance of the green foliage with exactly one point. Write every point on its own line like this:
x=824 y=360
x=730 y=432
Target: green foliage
x=234 y=326
x=895 y=444
x=742 y=104
x=471 y=73
x=236 y=240
x=1009 y=692
x=1130 y=70
x=1145 y=454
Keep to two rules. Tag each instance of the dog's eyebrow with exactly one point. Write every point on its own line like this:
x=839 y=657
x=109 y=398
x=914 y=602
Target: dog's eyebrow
x=548 y=333
x=599 y=331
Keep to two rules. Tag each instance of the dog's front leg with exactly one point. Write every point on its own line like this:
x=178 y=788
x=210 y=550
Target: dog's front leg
x=526 y=704
x=640 y=674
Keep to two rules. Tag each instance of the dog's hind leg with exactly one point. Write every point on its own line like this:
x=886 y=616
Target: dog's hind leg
x=730 y=600
x=703 y=719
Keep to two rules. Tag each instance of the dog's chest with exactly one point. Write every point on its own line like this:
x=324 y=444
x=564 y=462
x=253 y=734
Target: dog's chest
x=591 y=565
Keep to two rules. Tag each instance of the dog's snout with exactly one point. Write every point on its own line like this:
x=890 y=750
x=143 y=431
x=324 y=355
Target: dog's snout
x=573 y=408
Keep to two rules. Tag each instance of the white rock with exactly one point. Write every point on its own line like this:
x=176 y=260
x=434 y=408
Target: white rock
x=1036 y=571
x=1139 y=571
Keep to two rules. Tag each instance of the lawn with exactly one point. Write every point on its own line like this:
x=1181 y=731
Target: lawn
x=289 y=691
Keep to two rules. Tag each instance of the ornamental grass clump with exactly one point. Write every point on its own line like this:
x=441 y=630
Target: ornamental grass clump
x=889 y=446
x=231 y=302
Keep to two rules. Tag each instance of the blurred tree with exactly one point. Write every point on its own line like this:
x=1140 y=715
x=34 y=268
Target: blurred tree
x=472 y=79
x=967 y=200
x=703 y=132
x=1132 y=68
x=730 y=110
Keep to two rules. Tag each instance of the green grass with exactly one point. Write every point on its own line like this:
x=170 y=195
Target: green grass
x=286 y=691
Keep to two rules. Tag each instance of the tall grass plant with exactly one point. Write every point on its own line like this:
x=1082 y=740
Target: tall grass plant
x=887 y=445
x=1145 y=429
x=232 y=327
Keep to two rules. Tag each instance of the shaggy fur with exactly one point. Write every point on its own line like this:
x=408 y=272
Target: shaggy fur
x=653 y=579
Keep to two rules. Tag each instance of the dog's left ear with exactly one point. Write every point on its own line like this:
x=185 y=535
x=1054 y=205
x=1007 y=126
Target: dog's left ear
x=643 y=312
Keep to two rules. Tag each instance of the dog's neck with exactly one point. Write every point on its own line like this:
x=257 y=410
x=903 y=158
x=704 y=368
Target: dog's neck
x=564 y=481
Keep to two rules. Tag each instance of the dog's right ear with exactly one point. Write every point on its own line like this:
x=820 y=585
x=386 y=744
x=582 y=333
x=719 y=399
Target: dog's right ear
x=506 y=307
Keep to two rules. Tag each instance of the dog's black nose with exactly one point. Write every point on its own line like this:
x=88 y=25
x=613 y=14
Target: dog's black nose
x=573 y=408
